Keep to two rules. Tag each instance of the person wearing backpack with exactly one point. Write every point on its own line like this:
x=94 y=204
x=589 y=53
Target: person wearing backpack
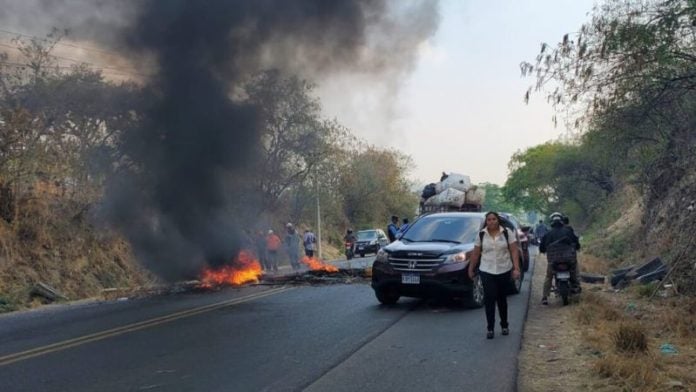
x=498 y=260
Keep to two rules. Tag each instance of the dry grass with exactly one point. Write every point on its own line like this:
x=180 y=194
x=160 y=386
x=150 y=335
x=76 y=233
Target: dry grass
x=626 y=333
x=608 y=342
x=633 y=373
x=630 y=338
x=595 y=265
x=49 y=243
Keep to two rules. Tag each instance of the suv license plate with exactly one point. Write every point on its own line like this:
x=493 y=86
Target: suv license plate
x=410 y=279
x=563 y=275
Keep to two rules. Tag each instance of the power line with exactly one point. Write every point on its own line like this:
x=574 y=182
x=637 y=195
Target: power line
x=89 y=49
x=80 y=62
x=103 y=70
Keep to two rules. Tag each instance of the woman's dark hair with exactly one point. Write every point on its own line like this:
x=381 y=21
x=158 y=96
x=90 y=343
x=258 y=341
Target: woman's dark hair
x=497 y=216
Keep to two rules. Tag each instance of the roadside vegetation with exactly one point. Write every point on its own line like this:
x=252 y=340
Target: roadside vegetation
x=61 y=140
x=625 y=84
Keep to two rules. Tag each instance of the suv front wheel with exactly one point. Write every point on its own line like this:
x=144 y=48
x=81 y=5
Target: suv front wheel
x=387 y=297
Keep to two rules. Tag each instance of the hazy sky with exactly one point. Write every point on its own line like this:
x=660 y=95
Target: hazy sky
x=459 y=109
x=462 y=108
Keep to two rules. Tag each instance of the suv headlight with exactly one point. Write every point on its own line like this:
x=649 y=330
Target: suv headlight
x=456 y=258
x=382 y=256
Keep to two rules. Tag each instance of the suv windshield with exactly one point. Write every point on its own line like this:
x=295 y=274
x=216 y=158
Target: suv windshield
x=367 y=235
x=461 y=229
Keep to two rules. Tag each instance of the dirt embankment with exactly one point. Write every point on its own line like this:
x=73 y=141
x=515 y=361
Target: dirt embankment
x=51 y=243
x=608 y=340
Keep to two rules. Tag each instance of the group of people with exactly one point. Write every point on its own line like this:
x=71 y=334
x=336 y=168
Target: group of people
x=497 y=261
x=269 y=245
x=394 y=229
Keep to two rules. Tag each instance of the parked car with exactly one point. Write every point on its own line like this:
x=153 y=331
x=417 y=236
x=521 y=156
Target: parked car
x=522 y=236
x=431 y=260
x=370 y=241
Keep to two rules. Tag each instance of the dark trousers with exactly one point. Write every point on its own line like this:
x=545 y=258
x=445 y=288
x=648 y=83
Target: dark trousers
x=495 y=288
x=309 y=253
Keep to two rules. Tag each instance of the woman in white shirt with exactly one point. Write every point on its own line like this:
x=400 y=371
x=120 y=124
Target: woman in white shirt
x=499 y=259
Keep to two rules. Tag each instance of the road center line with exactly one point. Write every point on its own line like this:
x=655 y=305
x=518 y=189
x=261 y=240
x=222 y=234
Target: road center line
x=65 y=344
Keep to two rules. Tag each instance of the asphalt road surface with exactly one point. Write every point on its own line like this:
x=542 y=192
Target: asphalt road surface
x=261 y=338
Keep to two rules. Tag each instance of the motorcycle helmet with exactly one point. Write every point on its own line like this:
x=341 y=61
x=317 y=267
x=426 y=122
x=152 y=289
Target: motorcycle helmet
x=556 y=219
x=350 y=231
x=555 y=214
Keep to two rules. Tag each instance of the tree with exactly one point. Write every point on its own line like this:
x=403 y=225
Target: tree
x=628 y=77
x=573 y=178
x=496 y=201
x=376 y=187
x=58 y=125
x=294 y=136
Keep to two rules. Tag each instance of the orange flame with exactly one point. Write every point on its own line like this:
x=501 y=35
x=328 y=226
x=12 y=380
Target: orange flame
x=244 y=269
x=317 y=265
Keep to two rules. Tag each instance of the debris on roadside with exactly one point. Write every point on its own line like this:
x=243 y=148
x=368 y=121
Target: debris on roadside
x=592 y=278
x=668 y=349
x=342 y=276
x=653 y=270
x=46 y=292
x=310 y=277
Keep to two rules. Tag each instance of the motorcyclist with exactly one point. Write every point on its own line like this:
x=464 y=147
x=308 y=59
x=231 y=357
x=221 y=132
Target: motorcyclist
x=559 y=234
x=350 y=239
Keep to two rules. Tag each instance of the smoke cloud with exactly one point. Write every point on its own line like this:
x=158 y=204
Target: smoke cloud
x=183 y=202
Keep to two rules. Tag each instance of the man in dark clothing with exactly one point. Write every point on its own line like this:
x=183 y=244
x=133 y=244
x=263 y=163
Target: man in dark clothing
x=559 y=234
x=540 y=231
x=393 y=228
x=260 y=244
x=404 y=226
x=292 y=246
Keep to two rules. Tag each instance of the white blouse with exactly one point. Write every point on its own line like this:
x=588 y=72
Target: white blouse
x=495 y=255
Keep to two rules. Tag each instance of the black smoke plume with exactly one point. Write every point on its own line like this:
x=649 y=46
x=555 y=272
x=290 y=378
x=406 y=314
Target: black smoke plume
x=179 y=195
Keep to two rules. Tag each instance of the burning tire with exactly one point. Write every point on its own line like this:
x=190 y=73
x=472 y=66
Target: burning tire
x=387 y=297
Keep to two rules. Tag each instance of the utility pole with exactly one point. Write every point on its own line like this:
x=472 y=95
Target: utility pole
x=316 y=193
x=318 y=227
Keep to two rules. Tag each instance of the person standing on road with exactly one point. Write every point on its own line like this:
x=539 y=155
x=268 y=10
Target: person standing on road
x=292 y=246
x=393 y=228
x=540 y=230
x=404 y=226
x=310 y=243
x=260 y=245
x=499 y=260
x=273 y=244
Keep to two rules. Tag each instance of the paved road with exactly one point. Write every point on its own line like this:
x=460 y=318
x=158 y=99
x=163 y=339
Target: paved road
x=315 y=338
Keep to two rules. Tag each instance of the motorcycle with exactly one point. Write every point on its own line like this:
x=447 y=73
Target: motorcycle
x=350 y=250
x=562 y=259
